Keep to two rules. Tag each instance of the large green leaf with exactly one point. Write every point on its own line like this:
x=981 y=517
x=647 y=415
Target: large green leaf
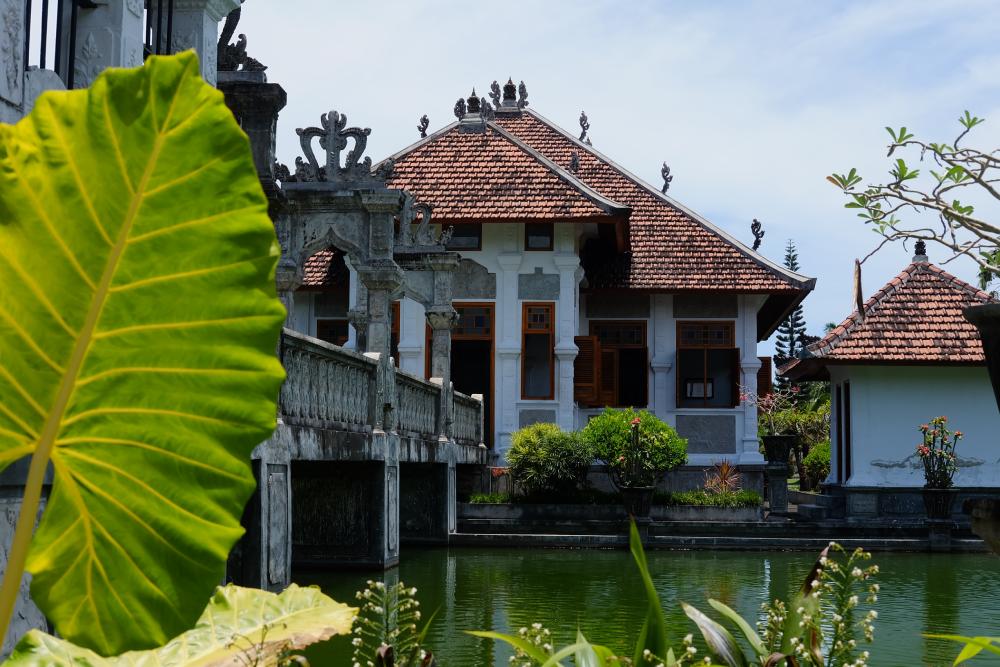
x=138 y=323
x=240 y=626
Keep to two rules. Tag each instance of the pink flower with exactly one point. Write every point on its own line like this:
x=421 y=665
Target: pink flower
x=636 y=421
x=621 y=459
x=958 y=434
x=795 y=389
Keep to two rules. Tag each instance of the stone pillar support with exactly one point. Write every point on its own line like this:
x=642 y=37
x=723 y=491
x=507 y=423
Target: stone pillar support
x=288 y=278
x=508 y=348
x=442 y=319
x=196 y=26
x=749 y=365
x=255 y=104
x=567 y=317
x=109 y=34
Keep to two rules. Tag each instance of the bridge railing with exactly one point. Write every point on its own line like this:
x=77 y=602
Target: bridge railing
x=333 y=388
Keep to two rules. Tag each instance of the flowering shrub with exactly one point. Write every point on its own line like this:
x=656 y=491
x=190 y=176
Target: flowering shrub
x=637 y=447
x=937 y=452
x=385 y=629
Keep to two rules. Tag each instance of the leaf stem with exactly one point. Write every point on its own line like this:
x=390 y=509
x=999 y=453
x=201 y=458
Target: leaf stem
x=18 y=554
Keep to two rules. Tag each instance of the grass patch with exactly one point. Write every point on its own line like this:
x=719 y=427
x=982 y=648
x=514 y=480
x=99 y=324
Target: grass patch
x=489 y=498
x=728 y=499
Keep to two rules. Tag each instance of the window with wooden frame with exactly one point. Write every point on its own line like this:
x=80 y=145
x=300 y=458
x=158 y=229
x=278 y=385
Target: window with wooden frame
x=466 y=237
x=708 y=365
x=538 y=351
x=538 y=235
x=612 y=367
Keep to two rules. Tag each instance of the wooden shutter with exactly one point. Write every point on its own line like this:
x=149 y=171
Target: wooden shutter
x=734 y=388
x=608 y=378
x=764 y=376
x=587 y=370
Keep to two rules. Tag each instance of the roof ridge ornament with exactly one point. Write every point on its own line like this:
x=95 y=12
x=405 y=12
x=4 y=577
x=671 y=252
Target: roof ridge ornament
x=472 y=104
x=459 y=109
x=510 y=95
x=584 y=127
x=667 y=178
x=522 y=96
x=920 y=252
x=422 y=127
x=757 y=229
x=495 y=93
x=423 y=238
x=574 y=162
x=356 y=173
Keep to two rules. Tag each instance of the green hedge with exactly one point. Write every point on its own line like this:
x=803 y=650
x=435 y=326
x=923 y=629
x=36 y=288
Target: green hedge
x=817 y=463
x=731 y=499
x=544 y=460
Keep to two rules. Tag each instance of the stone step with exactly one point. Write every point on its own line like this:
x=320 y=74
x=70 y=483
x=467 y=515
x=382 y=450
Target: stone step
x=812 y=512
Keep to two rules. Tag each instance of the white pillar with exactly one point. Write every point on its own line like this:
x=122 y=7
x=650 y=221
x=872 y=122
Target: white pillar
x=663 y=355
x=411 y=337
x=507 y=391
x=196 y=26
x=567 y=315
x=749 y=365
x=108 y=35
x=353 y=289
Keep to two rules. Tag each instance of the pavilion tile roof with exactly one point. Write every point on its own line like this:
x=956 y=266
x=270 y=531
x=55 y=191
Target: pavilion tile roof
x=916 y=318
x=325 y=269
x=672 y=248
x=490 y=176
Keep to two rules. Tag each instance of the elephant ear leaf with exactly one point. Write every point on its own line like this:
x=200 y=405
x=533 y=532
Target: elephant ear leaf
x=240 y=626
x=138 y=324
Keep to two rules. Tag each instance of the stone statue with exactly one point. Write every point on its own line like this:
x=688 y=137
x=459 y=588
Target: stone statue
x=584 y=126
x=757 y=229
x=667 y=178
x=495 y=93
x=422 y=127
x=459 y=109
x=522 y=96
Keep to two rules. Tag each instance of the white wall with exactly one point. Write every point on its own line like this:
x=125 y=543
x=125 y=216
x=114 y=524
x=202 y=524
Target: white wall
x=889 y=403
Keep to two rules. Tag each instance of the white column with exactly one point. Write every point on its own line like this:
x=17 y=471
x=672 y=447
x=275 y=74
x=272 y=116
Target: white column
x=567 y=315
x=508 y=346
x=196 y=26
x=663 y=355
x=749 y=365
x=108 y=35
x=411 y=337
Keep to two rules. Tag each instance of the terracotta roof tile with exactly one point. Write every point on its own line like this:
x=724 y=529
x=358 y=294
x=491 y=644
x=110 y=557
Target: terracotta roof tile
x=326 y=268
x=915 y=318
x=671 y=249
x=488 y=176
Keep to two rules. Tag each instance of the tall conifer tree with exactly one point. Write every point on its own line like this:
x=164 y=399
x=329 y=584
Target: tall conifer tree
x=788 y=343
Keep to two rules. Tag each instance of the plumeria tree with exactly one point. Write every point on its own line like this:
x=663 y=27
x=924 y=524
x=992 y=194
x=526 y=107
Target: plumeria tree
x=958 y=194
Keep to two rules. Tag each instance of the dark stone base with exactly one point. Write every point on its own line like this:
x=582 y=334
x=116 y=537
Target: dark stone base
x=900 y=503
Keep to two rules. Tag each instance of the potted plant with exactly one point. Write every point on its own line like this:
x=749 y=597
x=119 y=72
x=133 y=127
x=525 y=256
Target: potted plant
x=937 y=452
x=777 y=443
x=638 y=449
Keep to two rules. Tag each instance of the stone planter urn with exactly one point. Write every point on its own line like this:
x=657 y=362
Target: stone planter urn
x=638 y=500
x=987 y=320
x=938 y=502
x=777 y=448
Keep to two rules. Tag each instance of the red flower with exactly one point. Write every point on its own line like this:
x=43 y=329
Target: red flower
x=621 y=459
x=636 y=421
x=958 y=434
x=795 y=389
x=924 y=427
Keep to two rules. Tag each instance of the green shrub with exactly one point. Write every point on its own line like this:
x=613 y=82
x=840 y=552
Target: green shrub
x=545 y=460
x=817 y=463
x=609 y=436
x=489 y=498
x=702 y=498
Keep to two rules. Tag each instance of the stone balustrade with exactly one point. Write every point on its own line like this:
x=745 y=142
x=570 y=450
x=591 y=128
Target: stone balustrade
x=332 y=388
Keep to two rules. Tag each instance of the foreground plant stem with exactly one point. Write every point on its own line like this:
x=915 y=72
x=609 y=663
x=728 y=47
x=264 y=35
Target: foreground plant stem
x=18 y=554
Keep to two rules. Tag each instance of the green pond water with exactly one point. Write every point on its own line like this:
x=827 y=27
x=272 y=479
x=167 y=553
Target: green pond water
x=598 y=592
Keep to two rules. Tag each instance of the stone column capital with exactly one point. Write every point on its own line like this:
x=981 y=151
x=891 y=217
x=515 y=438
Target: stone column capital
x=441 y=318
x=566 y=260
x=384 y=275
x=214 y=9
x=288 y=275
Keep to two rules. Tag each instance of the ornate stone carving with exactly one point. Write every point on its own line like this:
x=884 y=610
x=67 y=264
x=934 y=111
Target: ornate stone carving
x=135 y=6
x=11 y=51
x=522 y=96
x=509 y=94
x=487 y=111
x=88 y=62
x=667 y=178
x=333 y=135
x=422 y=127
x=574 y=162
x=183 y=41
x=233 y=57
x=584 y=127
x=459 y=109
x=472 y=104
x=757 y=229
x=422 y=239
x=495 y=93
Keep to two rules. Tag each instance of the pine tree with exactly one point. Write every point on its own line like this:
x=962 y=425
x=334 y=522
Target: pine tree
x=788 y=343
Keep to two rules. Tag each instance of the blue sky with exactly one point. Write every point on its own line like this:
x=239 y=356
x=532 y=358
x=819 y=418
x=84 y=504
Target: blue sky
x=751 y=104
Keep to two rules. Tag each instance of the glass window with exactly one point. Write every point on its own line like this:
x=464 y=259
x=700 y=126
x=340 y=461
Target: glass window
x=538 y=236
x=466 y=237
x=707 y=365
x=538 y=342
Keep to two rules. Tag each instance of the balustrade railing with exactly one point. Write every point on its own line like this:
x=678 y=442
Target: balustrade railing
x=467 y=415
x=330 y=387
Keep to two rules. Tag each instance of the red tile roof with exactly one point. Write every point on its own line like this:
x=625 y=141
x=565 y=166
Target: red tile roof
x=325 y=269
x=672 y=248
x=916 y=318
x=490 y=176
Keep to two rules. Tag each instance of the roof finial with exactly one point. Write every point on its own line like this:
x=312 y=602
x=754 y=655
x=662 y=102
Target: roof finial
x=486 y=110
x=459 y=109
x=920 y=252
x=584 y=126
x=422 y=127
x=510 y=94
x=495 y=93
x=757 y=229
x=574 y=162
x=522 y=96
x=667 y=178
x=473 y=102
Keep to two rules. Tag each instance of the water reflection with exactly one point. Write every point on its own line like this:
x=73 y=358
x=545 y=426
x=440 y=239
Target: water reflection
x=597 y=592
